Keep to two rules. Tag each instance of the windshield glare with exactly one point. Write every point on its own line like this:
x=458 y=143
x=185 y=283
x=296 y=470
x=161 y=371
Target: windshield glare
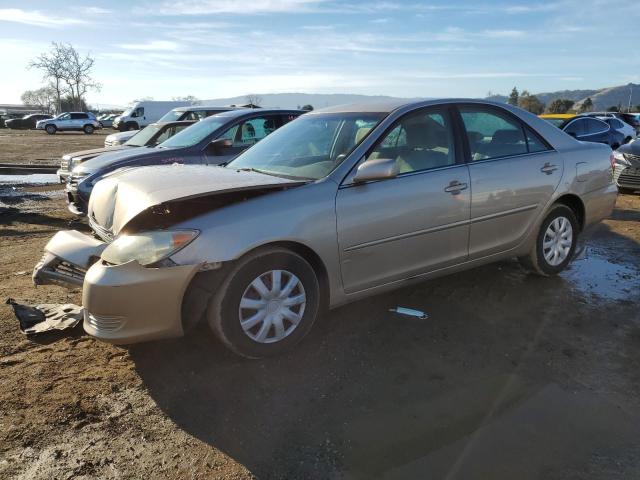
x=309 y=147
x=171 y=116
x=141 y=138
x=194 y=134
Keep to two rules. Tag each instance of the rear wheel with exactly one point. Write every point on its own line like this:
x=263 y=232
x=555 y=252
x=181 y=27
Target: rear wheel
x=555 y=243
x=50 y=129
x=88 y=129
x=131 y=126
x=266 y=304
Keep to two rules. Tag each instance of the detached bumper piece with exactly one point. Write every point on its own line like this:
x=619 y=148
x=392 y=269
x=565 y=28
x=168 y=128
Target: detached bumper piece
x=46 y=317
x=55 y=270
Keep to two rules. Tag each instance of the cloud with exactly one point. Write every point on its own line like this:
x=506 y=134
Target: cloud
x=92 y=10
x=236 y=7
x=503 y=33
x=37 y=18
x=153 y=45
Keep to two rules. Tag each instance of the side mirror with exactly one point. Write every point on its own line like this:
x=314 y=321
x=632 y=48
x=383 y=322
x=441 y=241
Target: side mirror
x=376 y=169
x=217 y=147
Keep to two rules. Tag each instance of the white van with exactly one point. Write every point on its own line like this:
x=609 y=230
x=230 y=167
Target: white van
x=141 y=114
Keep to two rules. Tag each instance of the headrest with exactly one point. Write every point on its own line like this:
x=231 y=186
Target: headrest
x=361 y=133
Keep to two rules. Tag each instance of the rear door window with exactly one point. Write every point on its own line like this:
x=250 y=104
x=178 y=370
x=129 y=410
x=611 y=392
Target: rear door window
x=594 y=126
x=492 y=134
x=576 y=127
x=255 y=129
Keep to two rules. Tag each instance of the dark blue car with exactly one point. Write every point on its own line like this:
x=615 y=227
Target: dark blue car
x=590 y=129
x=212 y=141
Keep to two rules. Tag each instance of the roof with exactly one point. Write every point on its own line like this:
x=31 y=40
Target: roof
x=195 y=108
x=248 y=112
x=388 y=106
x=175 y=122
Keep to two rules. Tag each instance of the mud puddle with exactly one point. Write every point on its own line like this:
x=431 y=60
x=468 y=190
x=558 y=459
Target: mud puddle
x=597 y=275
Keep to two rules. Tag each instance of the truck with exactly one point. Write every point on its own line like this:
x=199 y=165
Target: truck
x=144 y=113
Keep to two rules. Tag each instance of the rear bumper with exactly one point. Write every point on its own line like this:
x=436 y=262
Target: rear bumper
x=599 y=204
x=122 y=304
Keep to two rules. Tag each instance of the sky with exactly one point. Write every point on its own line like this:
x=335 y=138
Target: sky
x=222 y=48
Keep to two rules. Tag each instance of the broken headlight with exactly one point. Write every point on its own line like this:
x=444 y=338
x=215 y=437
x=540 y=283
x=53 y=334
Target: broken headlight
x=148 y=247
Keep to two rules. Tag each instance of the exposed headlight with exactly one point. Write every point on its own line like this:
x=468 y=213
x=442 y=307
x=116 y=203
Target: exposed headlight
x=148 y=247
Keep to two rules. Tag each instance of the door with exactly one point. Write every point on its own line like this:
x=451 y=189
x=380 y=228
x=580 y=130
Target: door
x=77 y=121
x=396 y=228
x=514 y=173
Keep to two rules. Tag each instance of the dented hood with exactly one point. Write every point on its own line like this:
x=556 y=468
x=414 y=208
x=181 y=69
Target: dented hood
x=118 y=198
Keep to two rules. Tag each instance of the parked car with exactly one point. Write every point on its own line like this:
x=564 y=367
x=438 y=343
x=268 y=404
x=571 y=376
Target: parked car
x=141 y=114
x=120 y=138
x=338 y=205
x=557 y=119
x=193 y=113
x=5 y=117
x=28 y=121
x=68 y=121
x=107 y=120
x=626 y=167
x=214 y=140
x=631 y=118
x=590 y=129
x=149 y=136
x=180 y=113
x=627 y=131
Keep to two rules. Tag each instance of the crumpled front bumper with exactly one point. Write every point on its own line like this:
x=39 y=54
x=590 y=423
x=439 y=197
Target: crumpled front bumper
x=122 y=304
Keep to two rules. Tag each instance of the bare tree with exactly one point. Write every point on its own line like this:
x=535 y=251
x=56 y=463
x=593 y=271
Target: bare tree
x=253 y=99
x=188 y=98
x=53 y=65
x=44 y=97
x=78 y=75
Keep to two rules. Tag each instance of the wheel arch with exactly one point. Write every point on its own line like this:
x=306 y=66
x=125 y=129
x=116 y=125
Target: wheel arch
x=575 y=203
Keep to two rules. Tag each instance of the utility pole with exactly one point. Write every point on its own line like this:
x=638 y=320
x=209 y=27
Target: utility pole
x=630 y=95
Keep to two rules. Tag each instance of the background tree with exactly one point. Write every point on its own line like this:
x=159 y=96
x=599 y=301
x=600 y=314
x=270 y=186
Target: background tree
x=587 y=105
x=513 y=97
x=308 y=107
x=613 y=108
x=253 y=99
x=188 y=98
x=78 y=75
x=560 y=106
x=54 y=69
x=44 y=97
x=71 y=103
x=530 y=103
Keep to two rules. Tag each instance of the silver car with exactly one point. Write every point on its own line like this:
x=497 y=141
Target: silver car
x=339 y=204
x=70 y=121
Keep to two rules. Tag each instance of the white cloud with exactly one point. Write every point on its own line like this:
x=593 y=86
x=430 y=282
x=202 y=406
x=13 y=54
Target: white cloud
x=237 y=7
x=504 y=33
x=153 y=45
x=37 y=18
x=92 y=10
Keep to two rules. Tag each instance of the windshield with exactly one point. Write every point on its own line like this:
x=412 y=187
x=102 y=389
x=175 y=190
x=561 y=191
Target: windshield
x=141 y=138
x=172 y=116
x=557 y=122
x=195 y=133
x=127 y=112
x=309 y=147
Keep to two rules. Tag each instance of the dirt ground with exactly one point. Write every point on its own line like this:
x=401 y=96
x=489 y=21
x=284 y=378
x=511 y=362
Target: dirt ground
x=511 y=377
x=25 y=146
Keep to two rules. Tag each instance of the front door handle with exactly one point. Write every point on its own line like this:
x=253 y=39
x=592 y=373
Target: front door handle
x=548 y=168
x=455 y=187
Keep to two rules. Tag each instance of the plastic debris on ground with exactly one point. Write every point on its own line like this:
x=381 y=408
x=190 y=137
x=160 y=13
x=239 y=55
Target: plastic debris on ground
x=46 y=317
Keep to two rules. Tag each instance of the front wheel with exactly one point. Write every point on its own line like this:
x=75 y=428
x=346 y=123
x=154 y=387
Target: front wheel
x=266 y=304
x=555 y=243
x=50 y=129
x=88 y=129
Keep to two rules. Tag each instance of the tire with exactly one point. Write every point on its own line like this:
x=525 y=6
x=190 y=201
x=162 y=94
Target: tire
x=259 y=338
x=131 y=126
x=536 y=261
x=88 y=129
x=50 y=129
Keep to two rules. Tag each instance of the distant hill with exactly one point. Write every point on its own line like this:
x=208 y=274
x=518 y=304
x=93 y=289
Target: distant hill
x=294 y=100
x=602 y=98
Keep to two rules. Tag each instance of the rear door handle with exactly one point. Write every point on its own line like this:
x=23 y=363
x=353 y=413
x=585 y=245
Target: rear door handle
x=455 y=187
x=548 y=168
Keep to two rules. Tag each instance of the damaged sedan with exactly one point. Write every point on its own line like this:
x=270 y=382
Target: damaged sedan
x=338 y=205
